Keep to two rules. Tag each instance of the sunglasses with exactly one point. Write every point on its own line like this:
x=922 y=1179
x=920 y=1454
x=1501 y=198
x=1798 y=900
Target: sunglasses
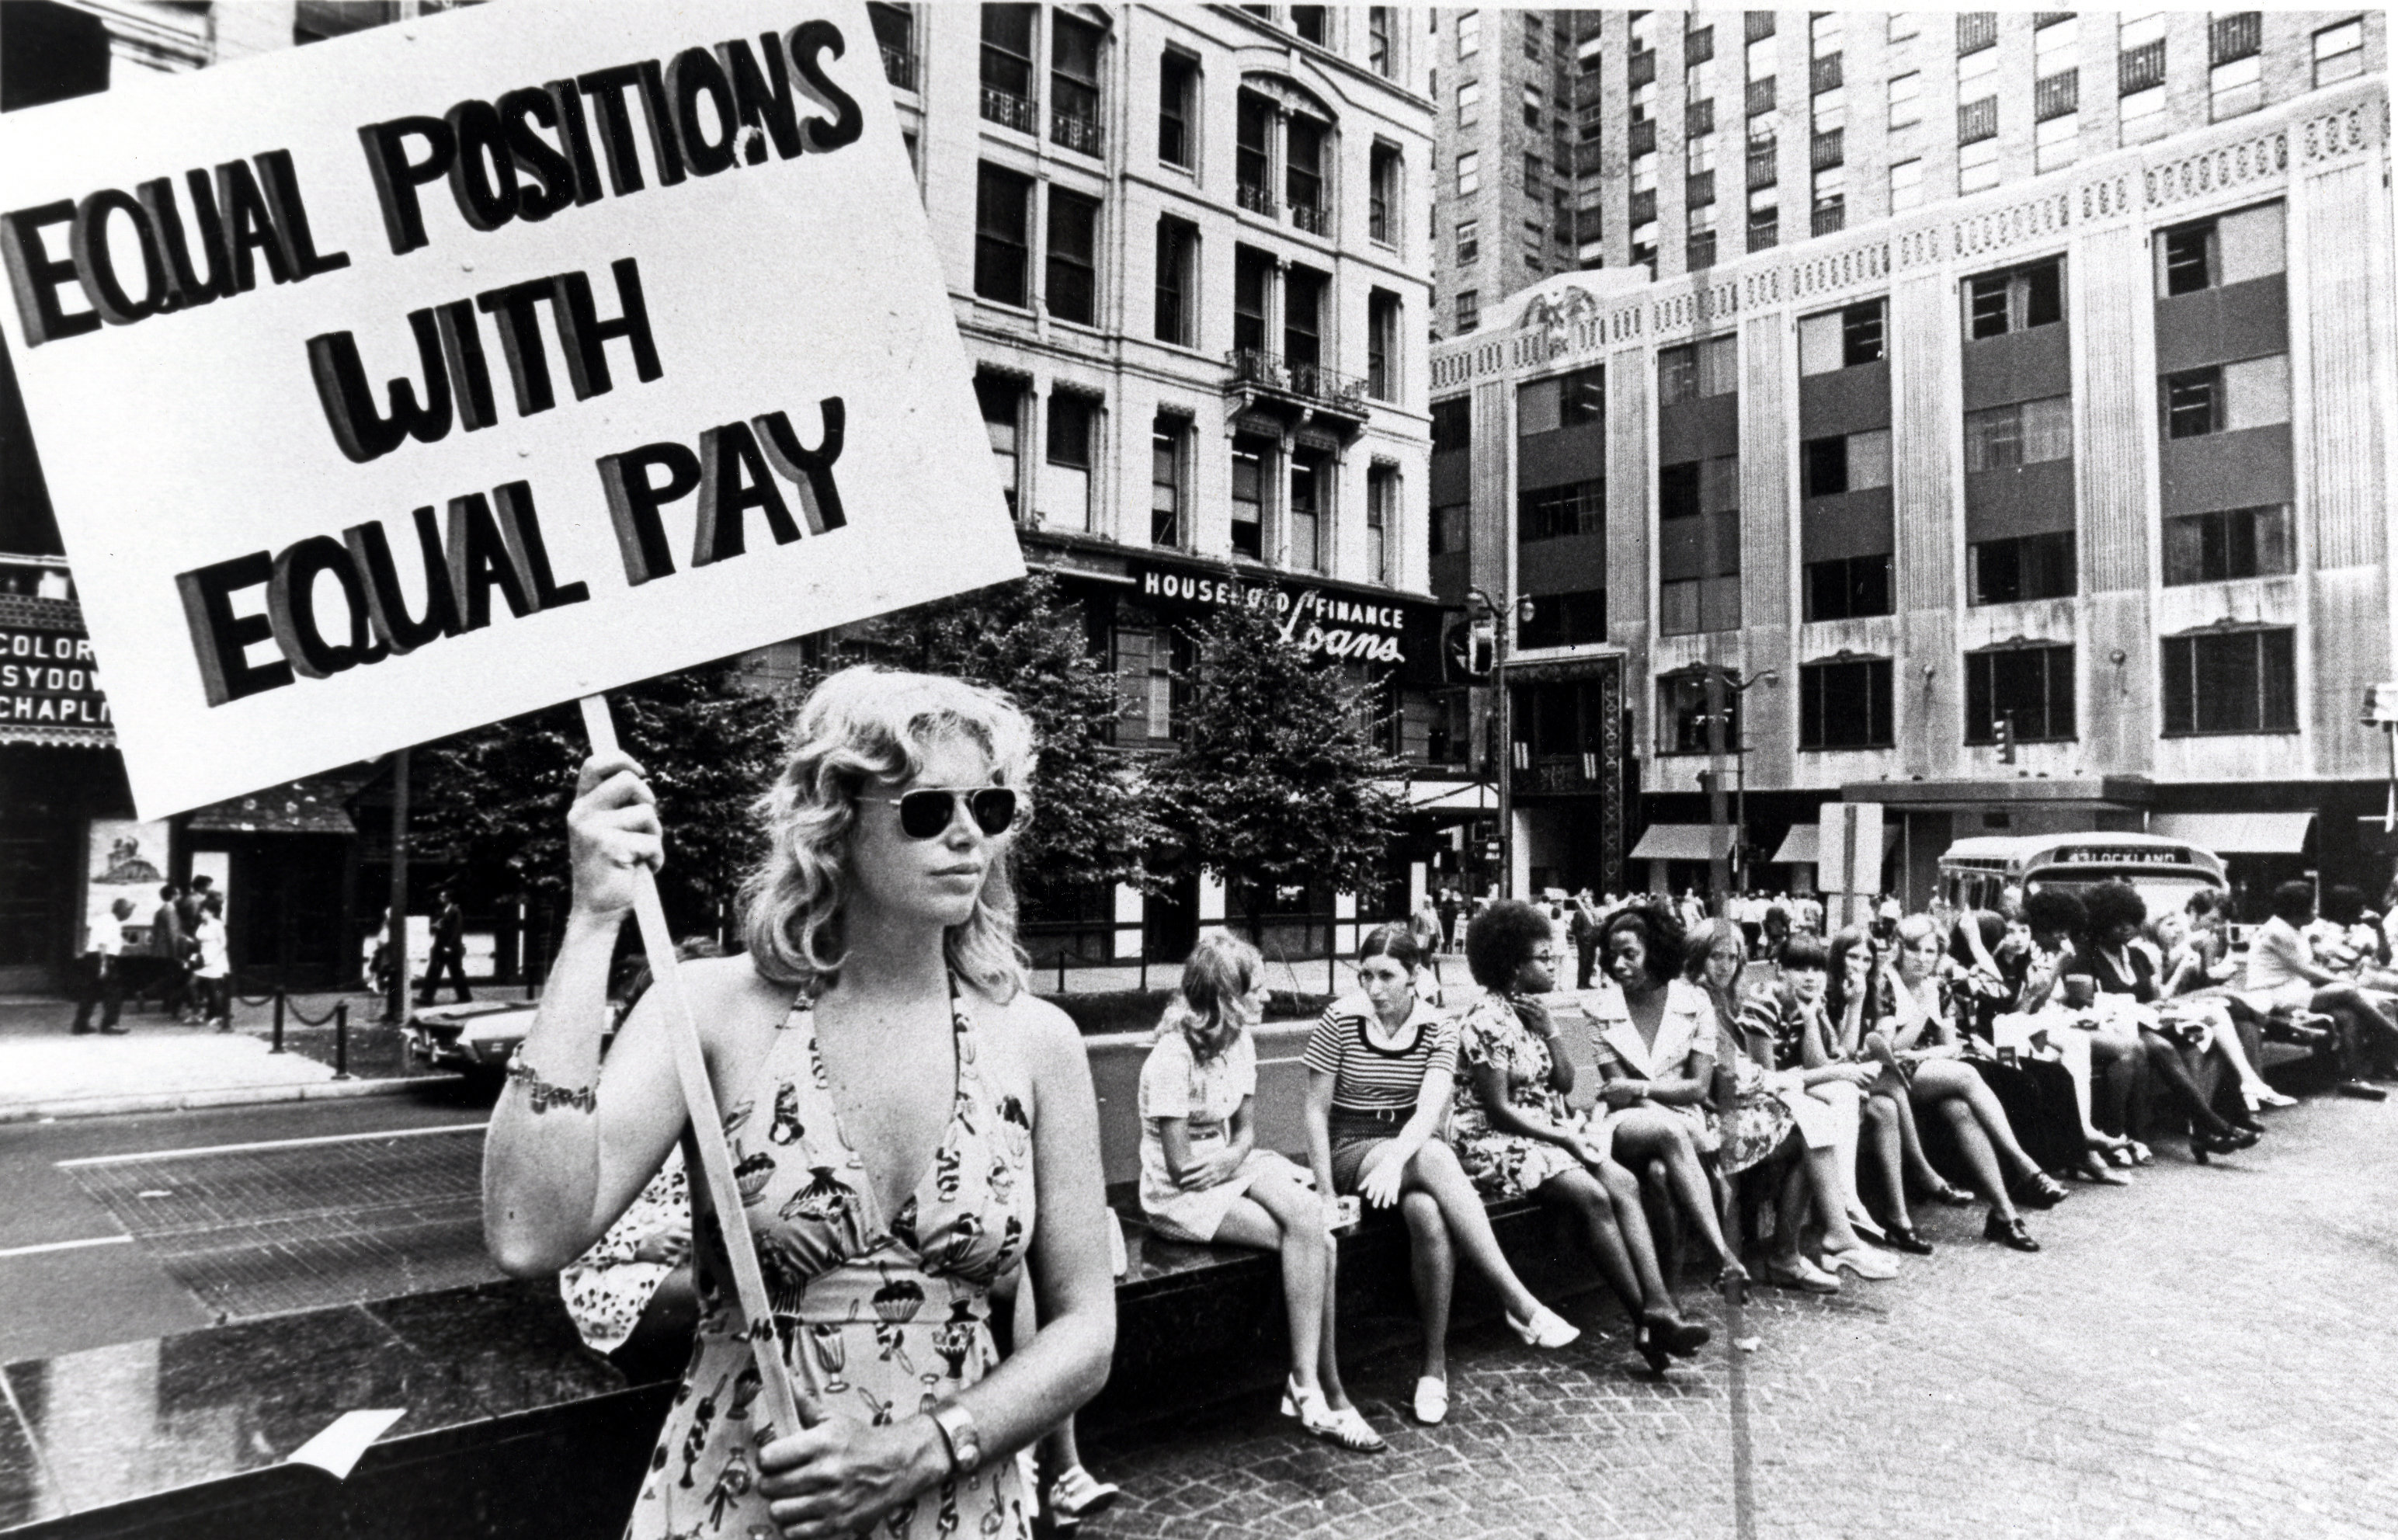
x=924 y=814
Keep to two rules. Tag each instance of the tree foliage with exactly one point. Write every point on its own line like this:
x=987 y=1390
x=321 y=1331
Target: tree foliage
x=1277 y=781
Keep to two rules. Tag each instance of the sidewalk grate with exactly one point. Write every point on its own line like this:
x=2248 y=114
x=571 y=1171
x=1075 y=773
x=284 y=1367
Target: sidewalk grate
x=261 y=1232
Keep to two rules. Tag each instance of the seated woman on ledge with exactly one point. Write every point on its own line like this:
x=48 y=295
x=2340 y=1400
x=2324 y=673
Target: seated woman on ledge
x=1203 y=1178
x=882 y=1202
x=1654 y=1037
x=1771 y=1122
x=1381 y=1070
x=1515 y=1134
x=2046 y=1092
x=1912 y=1014
x=2184 y=974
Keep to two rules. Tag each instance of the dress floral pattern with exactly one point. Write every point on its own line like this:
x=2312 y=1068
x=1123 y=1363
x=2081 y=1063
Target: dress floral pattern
x=1491 y=1034
x=877 y=1317
x=608 y=1286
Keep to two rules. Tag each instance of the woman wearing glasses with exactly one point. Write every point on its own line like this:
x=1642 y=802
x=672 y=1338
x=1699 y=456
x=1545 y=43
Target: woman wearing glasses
x=1204 y=1178
x=899 y=1111
x=1381 y=1070
x=1515 y=1134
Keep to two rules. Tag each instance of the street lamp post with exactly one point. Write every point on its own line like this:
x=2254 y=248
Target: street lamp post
x=1502 y=758
x=1718 y=681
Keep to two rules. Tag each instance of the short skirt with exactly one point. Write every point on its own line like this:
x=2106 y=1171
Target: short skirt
x=1195 y=1216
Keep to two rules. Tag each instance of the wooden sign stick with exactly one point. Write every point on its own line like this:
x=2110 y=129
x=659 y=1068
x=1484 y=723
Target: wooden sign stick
x=706 y=1124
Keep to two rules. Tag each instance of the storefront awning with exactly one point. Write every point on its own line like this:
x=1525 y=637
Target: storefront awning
x=1679 y=842
x=303 y=807
x=1800 y=847
x=1445 y=796
x=2238 y=833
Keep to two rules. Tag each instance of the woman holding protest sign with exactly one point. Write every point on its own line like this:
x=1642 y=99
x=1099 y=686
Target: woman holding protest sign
x=882 y=1203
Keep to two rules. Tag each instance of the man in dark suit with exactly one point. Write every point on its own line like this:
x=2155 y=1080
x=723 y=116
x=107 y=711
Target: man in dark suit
x=448 y=951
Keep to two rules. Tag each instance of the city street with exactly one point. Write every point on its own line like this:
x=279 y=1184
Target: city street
x=2206 y=1354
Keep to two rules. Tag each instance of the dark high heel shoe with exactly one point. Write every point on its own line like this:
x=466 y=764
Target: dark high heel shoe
x=1677 y=1338
x=2039 y=1190
x=1901 y=1237
x=2008 y=1231
x=2231 y=1140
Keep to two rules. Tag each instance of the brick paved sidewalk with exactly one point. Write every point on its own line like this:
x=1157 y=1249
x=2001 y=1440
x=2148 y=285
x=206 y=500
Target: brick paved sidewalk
x=2211 y=1352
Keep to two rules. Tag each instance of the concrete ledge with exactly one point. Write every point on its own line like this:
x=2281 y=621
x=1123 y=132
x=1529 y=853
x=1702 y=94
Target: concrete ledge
x=231 y=1096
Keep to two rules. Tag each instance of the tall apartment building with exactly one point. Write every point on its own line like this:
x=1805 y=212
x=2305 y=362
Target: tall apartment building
x=1178 y=243
x=2030 y=476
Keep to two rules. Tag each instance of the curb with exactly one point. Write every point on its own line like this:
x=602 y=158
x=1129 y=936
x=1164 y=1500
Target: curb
x=233 y=1095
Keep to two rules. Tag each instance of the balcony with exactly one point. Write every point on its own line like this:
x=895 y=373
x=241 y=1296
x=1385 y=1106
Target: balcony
x=1313 y=218
x=1301 y=393
x=899 y=67
x=2057 y=96
x=1258 y=200
x=1081 y=135
x=1009 y=110
x=2141 y=69
x=1560 y=773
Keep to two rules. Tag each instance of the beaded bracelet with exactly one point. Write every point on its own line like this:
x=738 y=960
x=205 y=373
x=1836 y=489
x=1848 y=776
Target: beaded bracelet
x=545 y=1096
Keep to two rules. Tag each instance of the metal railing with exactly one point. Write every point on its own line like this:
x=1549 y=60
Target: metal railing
x=1255 y=199
x=1313 y=218
x=1763 y=169
x=899 y=67
x=1082 y=135
x=2138 y=69
x=1252 y=366
x=2056 y=96
x=2235 y=36
x=1825 y=74
x=1009 y=110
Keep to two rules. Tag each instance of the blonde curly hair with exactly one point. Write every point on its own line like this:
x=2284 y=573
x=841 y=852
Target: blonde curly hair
x=858 y=725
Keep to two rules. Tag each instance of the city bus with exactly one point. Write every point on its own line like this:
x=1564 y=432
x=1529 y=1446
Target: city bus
x=2165 y=872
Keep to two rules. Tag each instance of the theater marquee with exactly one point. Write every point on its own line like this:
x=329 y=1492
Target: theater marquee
x=49 y=690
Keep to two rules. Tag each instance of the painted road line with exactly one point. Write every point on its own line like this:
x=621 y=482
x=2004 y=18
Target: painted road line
x=274 y=1145
x=64 y=1245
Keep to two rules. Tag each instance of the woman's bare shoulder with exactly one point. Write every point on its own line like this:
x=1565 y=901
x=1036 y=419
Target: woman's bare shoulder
x=727 y=995
x=1035 y=1027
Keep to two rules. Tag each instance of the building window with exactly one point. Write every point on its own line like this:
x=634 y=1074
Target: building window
x=2226 y=397
x=1381 y=517
x=1382 y=346
x=1469 y=103
x=1551 y=513
x=1845 y=462
x=2231 y=681
x=2022 y=568
x=1383 y=196
x=1308 y=21
x=1905 y=98
x=1145 y=682
x=1697 y=369
x=1075 y=84
x=1535 y=172
x=1699 y=242
x=1302 y=317
x=1905 y=185
x=1003 y=404
x=2056 y=142
x=1003 y=242
x=1303 y=174
x=2015 y=301
x=1531 y=105
x=1177 y=98
x=1252 y=272
x=1977 y=167
x=1007 y=67
x=1976 y=29
x=1842 y=339
x=1845 y=704
x=1378 y=42
x=1073 y=280
x=2235 y=89
x=1847 y=587
x=1310 y=493
x=1565 y=619
x=1904 y=25
x=1469 y=33
x=2227 y=544
x=2021 y=433
x=1178 y=281
x=1253 y=162
x=2032 y=688
x=1683 y=721
x=895 y=33
x=1469 y=243
x=2229 y=249
x=1469 y=309
x=1248 y=498
x=1452 y=426
x=1452 y=525
x=2339 y=53
x=1066 y=485
x=1469 y=173
x=1764 y=218
x=1166 y=438
x=1578 y=399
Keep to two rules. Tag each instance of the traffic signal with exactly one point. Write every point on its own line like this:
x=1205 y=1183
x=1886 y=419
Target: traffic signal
x=1482 y=648
x=2002 y=732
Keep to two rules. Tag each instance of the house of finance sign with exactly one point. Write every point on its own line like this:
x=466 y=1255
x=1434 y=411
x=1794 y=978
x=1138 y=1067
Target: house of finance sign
x=411 y=381
x=1338 y=624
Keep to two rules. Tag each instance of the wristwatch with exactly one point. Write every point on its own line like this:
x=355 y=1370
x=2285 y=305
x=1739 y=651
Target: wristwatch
x=956 y=1426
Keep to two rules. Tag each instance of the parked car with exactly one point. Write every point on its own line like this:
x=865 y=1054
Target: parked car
x=480 y=1037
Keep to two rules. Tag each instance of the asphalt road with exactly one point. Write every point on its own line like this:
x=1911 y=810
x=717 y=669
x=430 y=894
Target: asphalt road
x=320 y=1208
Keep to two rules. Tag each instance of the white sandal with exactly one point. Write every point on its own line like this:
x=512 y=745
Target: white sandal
x=1432 y=1401
x=1077 y=1496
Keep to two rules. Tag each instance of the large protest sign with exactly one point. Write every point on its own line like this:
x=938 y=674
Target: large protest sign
x=401 y=384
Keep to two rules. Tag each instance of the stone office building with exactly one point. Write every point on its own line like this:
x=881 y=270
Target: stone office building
x=2057 y=501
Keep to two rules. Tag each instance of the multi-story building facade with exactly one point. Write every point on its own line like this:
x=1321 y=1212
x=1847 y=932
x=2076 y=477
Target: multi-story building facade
x=1187 y=252
x=2033 y=477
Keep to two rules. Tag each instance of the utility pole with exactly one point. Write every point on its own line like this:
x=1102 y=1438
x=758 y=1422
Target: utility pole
x=396 y=941
x=1718 y=884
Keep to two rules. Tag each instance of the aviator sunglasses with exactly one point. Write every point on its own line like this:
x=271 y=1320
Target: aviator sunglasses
x=924 y=814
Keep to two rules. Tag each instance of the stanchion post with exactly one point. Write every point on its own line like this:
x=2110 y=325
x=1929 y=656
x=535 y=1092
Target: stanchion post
x=278 y=1020
x=340 y=1040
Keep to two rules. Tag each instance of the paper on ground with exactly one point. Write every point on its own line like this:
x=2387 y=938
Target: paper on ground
x=337 y=1449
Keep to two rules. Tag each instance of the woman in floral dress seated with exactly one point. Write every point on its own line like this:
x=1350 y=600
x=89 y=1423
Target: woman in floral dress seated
x=1515 y=1134
x=882 y=1201
x=1204 y=1178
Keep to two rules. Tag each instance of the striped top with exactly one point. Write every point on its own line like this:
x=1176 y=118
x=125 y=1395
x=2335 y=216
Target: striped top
x=1366 y=1077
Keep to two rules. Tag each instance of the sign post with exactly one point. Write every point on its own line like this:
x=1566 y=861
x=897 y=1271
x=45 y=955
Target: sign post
x=451 y=370
x=1848 y=860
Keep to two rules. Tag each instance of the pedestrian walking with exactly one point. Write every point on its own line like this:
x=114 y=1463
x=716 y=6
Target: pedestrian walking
x=448 y=951
x=171 y=945
x=103 y=980
x=214 y=973
x=1449 y=909
x=1583 y=932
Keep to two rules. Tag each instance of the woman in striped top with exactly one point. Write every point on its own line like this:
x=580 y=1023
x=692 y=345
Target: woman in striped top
x=1381 y=1070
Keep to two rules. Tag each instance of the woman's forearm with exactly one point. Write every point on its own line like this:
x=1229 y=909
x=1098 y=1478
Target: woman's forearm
x=1318 y=1118
x=541 y=1170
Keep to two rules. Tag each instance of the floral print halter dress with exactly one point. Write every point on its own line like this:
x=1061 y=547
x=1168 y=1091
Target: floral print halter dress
x=878 y=1318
